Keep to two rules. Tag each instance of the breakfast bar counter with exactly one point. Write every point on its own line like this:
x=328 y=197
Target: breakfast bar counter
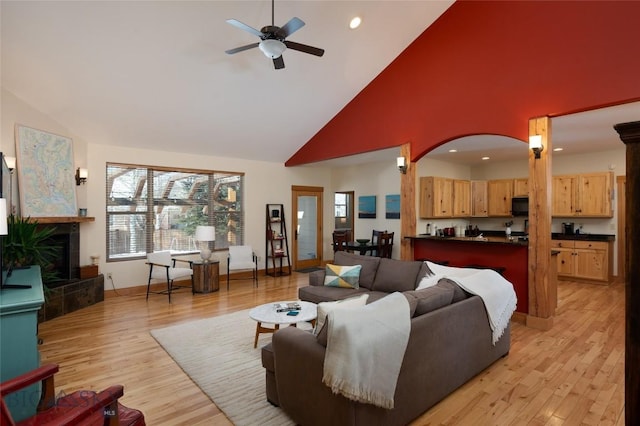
x=507 y=256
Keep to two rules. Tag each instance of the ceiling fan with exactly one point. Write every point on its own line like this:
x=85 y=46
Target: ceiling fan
x=273 y=41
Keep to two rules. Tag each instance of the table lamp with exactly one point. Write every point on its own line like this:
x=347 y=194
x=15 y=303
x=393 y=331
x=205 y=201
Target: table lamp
x=205 y=234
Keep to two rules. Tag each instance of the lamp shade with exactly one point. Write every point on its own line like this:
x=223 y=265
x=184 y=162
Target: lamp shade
x=3 y=217
x=535 y=141
x=205 y=233
x=272 y=48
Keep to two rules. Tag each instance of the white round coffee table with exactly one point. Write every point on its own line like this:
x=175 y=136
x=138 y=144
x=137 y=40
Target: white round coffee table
x=267 y=314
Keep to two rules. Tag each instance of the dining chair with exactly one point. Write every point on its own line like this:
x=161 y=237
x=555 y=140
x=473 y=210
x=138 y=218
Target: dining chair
x=374 y=241
x=163 y=267
x=340 y=240
x=242 y=258
x=385 y=244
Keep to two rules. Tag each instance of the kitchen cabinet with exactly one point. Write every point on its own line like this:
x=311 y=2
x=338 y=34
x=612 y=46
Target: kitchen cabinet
x=521 y=187
x=584 y=260
x=479 y=198
x=500 y=193
x=583 y=195
x=436 y=197
x=461 y=198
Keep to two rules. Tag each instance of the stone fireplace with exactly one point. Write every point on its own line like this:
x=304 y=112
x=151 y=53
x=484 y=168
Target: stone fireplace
x=68 y=292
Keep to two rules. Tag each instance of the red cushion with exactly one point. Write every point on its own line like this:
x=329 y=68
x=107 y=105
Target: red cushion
x=127 y=416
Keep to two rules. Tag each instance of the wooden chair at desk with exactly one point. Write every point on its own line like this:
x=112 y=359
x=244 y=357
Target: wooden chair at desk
x=385 y=244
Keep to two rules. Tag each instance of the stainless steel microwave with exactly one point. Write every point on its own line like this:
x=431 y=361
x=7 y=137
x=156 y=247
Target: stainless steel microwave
x=520 y=206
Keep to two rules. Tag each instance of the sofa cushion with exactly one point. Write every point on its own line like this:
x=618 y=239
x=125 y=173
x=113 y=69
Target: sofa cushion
x=325 y=307
x=423 y=272
x=396 y=275
x=318 y=294
x=342 y=276
x=413 y=302
x=458 y=293
x=369 y=266
x=430 y=299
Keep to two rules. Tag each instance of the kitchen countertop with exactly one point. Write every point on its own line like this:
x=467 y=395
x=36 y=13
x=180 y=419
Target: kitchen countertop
x=483 y=239
x=497 y=237
x=583 y=237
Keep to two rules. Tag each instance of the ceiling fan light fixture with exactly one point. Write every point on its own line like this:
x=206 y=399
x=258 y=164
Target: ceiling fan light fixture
x=272 y=48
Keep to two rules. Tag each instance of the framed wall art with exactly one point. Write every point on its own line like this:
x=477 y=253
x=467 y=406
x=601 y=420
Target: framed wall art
x=367 y=207
x=392 y=206
x=45 y=173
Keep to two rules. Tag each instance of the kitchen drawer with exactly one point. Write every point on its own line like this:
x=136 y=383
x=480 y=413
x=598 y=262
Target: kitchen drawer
x=596 y=245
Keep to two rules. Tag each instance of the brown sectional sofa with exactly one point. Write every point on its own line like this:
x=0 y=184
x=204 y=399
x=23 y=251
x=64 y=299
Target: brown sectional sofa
x=447 y=346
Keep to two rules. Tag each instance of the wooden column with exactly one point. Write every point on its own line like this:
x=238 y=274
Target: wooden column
x=630 y=135
x=407 y=204
x=541 y=294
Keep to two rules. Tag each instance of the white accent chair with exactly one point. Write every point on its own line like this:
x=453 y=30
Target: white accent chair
x=163 y=267
x=242 y=258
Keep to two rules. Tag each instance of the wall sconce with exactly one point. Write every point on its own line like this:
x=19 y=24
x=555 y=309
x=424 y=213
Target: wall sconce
x=81 y=176
x=11 y=163
x=535 y=143
x=402 y=164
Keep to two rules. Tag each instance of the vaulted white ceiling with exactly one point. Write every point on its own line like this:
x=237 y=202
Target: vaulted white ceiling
x=154 y=75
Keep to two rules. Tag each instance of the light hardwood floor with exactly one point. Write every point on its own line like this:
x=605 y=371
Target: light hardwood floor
x=570 y=375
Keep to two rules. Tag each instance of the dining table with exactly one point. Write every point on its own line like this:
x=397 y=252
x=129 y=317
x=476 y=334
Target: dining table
x=361 y=248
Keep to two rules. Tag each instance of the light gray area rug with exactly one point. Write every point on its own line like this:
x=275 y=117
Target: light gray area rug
x=218 y=355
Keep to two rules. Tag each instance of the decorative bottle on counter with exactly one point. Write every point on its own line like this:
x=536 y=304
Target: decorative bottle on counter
x=508 y=232
x=428 y=229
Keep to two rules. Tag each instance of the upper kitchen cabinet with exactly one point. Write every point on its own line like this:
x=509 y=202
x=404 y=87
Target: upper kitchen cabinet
x=521 y=187
x=583 y=195
x=461 y=198
x=436 y=197
x=479 y=198
x=500 y=193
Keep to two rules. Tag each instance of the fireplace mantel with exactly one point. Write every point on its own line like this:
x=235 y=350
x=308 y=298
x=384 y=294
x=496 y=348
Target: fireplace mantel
x=63 y=219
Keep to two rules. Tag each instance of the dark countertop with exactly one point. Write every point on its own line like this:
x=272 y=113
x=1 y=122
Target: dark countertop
x=487 y=239
x=498 y=237
x=583 y=237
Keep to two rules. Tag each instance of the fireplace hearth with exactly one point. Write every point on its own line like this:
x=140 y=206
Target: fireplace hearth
x=68 y=292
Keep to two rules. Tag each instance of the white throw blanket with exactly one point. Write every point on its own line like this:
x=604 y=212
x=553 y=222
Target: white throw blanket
x=365 y=349
x=497 y=293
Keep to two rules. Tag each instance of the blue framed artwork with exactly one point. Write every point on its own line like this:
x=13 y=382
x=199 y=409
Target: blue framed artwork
x=392 y=206
x=367 y=207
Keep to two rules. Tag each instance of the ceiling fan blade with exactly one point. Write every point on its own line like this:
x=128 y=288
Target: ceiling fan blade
x=244 y=27
x=278 y=62
x=304 y=48
x=241 y=48
x=291 y=27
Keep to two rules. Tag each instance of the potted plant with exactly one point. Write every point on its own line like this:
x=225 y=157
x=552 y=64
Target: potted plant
x=27 y=245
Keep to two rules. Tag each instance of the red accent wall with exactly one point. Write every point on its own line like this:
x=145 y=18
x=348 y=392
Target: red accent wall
x=487 y=67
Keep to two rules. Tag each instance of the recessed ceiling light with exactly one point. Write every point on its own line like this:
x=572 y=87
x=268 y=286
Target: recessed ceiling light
x=453 y=150
x=355 y=23
x=486 y=158
x=558 y=149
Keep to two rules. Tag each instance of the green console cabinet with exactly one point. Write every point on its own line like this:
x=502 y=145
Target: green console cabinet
x=19 y=336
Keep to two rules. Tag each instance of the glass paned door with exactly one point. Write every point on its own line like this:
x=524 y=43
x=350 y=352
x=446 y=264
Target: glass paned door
x=307 y=227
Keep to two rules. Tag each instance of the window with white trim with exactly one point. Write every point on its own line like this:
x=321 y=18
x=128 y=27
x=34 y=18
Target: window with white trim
x=155 y=208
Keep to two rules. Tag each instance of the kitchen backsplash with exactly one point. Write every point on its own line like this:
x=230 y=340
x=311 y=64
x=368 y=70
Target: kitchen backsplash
x=586 y=225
